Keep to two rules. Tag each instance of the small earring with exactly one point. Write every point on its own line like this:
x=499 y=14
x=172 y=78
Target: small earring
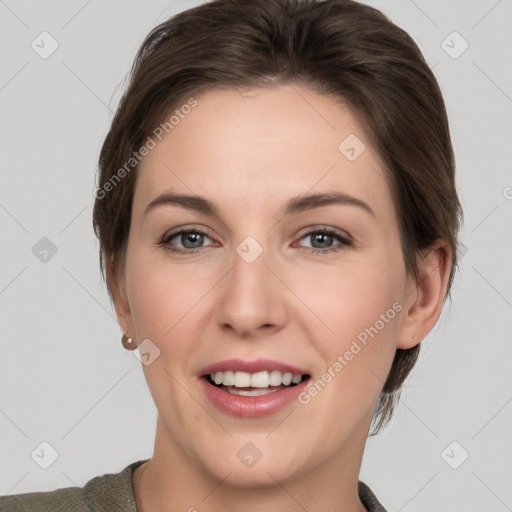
x=128 y=343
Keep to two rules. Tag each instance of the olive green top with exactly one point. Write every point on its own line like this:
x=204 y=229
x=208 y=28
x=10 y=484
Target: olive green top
x=111 y=493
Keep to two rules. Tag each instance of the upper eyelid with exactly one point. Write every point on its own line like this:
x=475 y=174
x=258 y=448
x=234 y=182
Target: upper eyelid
x=172 y=234
x=328 y=229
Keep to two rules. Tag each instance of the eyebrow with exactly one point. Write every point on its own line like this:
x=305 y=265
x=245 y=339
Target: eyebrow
x=296 y=204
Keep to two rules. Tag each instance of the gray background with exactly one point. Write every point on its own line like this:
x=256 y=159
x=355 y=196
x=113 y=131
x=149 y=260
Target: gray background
x=64 y=376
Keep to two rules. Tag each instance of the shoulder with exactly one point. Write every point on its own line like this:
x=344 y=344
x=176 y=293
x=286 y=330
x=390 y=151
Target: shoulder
x=369 y=500
x=70 y=498
x=107 y=493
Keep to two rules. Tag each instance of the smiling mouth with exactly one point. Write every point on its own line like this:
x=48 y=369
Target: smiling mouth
x=256 y=384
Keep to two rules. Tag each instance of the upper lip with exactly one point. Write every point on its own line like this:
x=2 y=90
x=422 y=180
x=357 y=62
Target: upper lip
x=258 y=365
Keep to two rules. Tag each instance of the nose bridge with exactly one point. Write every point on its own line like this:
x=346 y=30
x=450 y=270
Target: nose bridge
x=250 y=265
x=251 y=295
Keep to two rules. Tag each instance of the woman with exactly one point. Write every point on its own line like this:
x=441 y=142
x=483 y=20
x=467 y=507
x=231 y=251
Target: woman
x=278 y=222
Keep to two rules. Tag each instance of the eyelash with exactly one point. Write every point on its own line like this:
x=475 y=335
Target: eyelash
x=344 y=242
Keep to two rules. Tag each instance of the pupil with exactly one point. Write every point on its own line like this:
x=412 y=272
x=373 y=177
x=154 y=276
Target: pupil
x=318 y=237
x=190 y=236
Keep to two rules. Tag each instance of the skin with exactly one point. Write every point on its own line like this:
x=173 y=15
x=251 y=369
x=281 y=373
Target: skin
x=249 y=152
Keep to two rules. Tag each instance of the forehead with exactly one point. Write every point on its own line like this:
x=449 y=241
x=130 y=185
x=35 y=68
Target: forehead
x=263 y=145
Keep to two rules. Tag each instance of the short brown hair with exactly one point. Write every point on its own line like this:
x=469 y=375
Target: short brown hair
x=340 y=48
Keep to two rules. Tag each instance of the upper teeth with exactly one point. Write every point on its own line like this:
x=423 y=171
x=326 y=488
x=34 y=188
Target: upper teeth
x=255 y=380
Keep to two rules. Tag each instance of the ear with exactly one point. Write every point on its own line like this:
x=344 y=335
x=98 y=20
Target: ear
x=424 y=298
x=122 y=307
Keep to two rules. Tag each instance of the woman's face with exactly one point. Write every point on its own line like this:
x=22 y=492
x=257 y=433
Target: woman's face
x=265 y=281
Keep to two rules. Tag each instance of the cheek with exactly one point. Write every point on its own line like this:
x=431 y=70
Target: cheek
x=366 y=303
x=361 y=307
x=166 y=303
x=361 y=310
x=153 y=305
x=162 y=306
x=345 y=302
x=153 y=290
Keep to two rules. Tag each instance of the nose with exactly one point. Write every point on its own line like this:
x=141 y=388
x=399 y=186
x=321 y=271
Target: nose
x=253 y=299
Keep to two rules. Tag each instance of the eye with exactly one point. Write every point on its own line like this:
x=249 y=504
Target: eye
x=191 y=241
x=322 y=240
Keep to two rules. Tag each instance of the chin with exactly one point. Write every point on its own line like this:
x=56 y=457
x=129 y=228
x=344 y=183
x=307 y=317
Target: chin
x=260 y=476
x=245 y=465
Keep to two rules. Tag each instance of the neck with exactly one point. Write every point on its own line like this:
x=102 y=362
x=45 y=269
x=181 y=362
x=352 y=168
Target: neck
x=173 y=481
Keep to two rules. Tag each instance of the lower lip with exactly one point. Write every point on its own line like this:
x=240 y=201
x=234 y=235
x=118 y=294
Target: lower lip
x=252 y=406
